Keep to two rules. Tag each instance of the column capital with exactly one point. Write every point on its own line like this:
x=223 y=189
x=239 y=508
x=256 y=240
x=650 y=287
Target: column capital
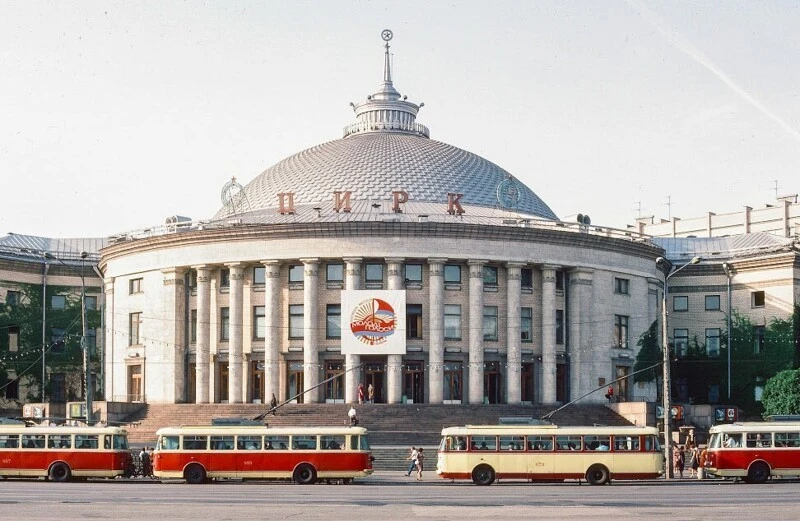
x=353 y=260
x=397 y=260
x=314 y=260
x=477 y=262
x=270 y=262
x=515 y=264
x=173 y=276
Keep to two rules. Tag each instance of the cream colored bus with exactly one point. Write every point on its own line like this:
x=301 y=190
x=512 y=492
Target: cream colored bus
x=485 y=453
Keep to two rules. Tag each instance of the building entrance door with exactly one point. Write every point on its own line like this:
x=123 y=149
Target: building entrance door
x=375 y=374
x=223 y=382
x=257 y=381
x=491 y=382
x=527 y=386
x=622 y=372
x=561 y=383
x=294 y=381
x=414 y=382
x=452 y=373
x=334 y=389
x=135 y=383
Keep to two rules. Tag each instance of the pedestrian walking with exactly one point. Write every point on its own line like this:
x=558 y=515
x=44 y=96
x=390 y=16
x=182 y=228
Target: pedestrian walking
x=351 y=414
x=412 y=457
x=371 y=393
x=273 y=404
x=678 y=460
x=420 y=459
x=360 y=394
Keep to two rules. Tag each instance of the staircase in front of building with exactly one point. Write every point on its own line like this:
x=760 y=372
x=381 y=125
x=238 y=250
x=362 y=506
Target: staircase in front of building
x=392 y=428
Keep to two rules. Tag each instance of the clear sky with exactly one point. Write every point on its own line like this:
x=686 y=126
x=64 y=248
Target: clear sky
x=116 y=115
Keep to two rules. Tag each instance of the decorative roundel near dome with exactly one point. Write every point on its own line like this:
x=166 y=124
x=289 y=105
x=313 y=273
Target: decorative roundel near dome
x=387 y=34
x=231 y=193
x=508 y=194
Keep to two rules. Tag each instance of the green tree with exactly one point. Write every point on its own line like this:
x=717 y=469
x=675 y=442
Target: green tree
x=650 y=354
x=782 y=393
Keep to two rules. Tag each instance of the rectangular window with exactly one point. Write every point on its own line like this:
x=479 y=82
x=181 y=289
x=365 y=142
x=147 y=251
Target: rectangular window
x=680 y=303
x=526 y=278
x=758 y=339
x=296 y=321
x=259 y=275
x=193 y=325
x=413 y=273
x=333 y=321
x=58 y=302
x=712 y=342
x=135 y=286
x=296 y=274
x=13 y=338
x=224 y=324
x=681 y=342
x=621 y=286
x=526 y=324
x=413 y=321
x=559 y=326
x=758 y=299
x=452 y=274
x=134 y=327
x=559 y=280
x=452 y=322
x=225 y=278
x=490 y=276
x=621 y=331
x=91 y=303
x=259 y=322
x=374 y=276
x=335 y=273
x=490 y=322
x=712 y=302
x=12 y=388
x=12 y=298
x=192 y=279
x=57 y=340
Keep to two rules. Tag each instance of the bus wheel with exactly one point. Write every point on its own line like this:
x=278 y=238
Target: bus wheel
x=758 y=473
x=304 y=475
x=194 y=474
x=597 y=475
x=59 y=472
x=483 y=475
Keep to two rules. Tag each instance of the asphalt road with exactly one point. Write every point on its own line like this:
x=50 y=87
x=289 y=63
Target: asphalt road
x=387 y=496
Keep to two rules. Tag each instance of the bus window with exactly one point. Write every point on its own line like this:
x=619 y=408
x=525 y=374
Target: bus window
x=86 y=441
x=33 y=441
x=787 y=439
x=304 y=442
x=9 y=441
x=195 y=442
x=759 y=440
x=458 y=443
x=221 y=442
x=248 y=443
x=363 y=443
x=106 y=442
x=276 y=442
x=732 y=440
x=596 y=442
x=626 y=443
x=484 y=442
x=121 y=442
x=332 y=442
x=59 y=441
x=540 y=443
x=169 y=443
x=512 y=442
x=568 y=443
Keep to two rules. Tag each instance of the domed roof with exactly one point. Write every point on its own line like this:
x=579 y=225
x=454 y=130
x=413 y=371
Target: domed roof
x=385 y=151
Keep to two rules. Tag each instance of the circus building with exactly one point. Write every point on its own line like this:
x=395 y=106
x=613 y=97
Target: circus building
x=385 y=258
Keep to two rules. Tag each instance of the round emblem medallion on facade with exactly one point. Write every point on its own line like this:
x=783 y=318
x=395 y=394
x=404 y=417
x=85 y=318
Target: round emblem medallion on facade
x=508 y=193
x=373 y=321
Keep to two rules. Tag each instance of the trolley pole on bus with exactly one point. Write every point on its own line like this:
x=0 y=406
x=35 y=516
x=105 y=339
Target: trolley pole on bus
x=667 y=390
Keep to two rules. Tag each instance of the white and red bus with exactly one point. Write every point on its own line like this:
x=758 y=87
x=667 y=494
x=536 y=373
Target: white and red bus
x=754 y=451
x=62 y=453
x=485 y=453
x=302 y=454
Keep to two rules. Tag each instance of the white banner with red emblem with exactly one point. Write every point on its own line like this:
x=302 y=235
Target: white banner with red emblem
x=374 y=322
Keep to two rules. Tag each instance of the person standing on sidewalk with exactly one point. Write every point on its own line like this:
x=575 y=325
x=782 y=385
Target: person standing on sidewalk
x=412 y=457
x=420 y=458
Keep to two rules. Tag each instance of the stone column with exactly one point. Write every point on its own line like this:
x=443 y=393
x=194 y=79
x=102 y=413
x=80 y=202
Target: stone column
x=116 y=378
x=548 y=334
x=513 y=324
x=236 y=333
x=580 y=325
x=353 y=376
x=203 y=351
x=310 y=328
x=394 y=365
x=476 y=331
x=272 y=307
x=436 y=331
x=168 y=380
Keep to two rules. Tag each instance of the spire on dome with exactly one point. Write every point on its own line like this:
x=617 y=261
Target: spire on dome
x=384 y=110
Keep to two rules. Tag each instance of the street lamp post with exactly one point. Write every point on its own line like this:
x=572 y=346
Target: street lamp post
x=729 y=273
x=667 y=390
